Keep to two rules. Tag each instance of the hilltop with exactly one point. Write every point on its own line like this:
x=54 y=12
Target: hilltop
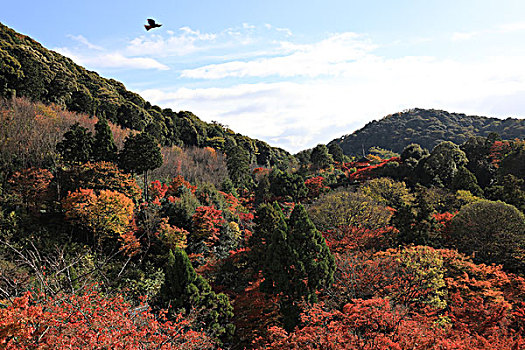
x=426 y=127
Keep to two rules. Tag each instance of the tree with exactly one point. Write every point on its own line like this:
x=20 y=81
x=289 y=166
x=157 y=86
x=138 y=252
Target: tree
x=320 y=157
x=104 y=148
x=313 y=259
x=140 y=154
x=93 y=320
x=465 y=180
x=76 y=145
x=238 y=162
x=106 y=215
x=443 y=163
x=296 y=259
x=32 y=185
x=184 y=290
x=286 y=185
x=97 y=176
x=413 y=151
x=337 y=152
x=343 y=208
x=494 y=232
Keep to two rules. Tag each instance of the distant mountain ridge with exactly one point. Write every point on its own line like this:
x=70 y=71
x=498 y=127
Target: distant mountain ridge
x=426 y=127
x=27 y=69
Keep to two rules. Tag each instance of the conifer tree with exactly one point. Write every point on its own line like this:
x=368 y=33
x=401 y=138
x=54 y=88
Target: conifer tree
x=312 y=257
x=296 y=262
x=76 y=145
x=183 y=290
x=141 y=153
x=104 y=148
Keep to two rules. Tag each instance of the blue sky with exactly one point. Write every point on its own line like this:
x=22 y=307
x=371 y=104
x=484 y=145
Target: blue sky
x=295 y=73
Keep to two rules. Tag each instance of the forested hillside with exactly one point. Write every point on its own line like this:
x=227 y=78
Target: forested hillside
x=426 y=127
x=126 y=238
x=28 y=69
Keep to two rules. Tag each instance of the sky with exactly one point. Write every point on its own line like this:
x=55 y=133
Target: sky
x=295 y=73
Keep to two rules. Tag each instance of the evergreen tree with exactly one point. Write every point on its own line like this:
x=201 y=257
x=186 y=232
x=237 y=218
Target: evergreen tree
x=140 y=154
x=320 y=157
x=238 y=163
x=76 y=145
x=296 y=262
x=104 y=148
x=337 y=152
x=312 y=257
x=183 y=290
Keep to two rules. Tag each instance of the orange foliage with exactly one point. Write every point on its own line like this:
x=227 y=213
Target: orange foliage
x=91 y=320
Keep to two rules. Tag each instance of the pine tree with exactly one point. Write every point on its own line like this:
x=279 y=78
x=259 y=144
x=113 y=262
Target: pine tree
x=104 y=148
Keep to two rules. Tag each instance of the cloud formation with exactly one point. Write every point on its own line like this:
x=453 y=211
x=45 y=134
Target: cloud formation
x=264 y=82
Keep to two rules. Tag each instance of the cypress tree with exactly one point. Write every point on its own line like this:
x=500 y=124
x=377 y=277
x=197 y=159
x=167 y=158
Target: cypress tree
x=313 y=260
x=141 y=153
x=76 y=145
x=183 y=289
x=104 y=148
x=296 y=262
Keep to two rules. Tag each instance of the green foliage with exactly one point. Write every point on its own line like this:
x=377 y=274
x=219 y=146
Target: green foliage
x=494 y=232
x=344 y=208
x=140 y=154
x=416 y=223
x=104 y=148
x=465 y=180
x=426 y=127
x=443 y=164
x=76 y=145
x=238 y=162
x=337 y=152
x=320 y=157
x=388 y=192
x=184 y=289
x=286 y=185
x=295 y=258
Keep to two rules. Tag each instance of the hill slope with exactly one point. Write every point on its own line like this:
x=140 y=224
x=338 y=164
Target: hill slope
x=28 y=69
x=426 y=127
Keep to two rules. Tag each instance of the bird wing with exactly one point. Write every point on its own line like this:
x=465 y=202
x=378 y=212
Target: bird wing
x=151 y=22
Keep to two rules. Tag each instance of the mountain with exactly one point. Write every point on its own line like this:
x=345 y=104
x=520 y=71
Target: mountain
x=30 y=70
x=426 y=127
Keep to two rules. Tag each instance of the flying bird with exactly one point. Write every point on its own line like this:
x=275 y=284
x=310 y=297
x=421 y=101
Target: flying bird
x=151 y=24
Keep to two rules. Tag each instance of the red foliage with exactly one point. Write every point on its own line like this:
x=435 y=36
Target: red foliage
x=32 y=185
x=375 y=324
x=158 y=190
x=498 y=150
x=315 y=186
x=176 y=184
x=365 y=170
x=91 y=321
x=206 y=224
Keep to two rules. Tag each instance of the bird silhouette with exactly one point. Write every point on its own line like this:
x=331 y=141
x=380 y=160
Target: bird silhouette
x=151 y=24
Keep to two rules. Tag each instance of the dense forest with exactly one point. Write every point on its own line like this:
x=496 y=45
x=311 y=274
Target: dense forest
x=121 y=236
x=426 y=127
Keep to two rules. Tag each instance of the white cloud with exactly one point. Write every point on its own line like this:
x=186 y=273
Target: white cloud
x=501 y=29
x=511 y=27
x=185 y=43
x=343 y=84
x=461 y=36
x=81 y=39
x=113 y=60
x=327 y=57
